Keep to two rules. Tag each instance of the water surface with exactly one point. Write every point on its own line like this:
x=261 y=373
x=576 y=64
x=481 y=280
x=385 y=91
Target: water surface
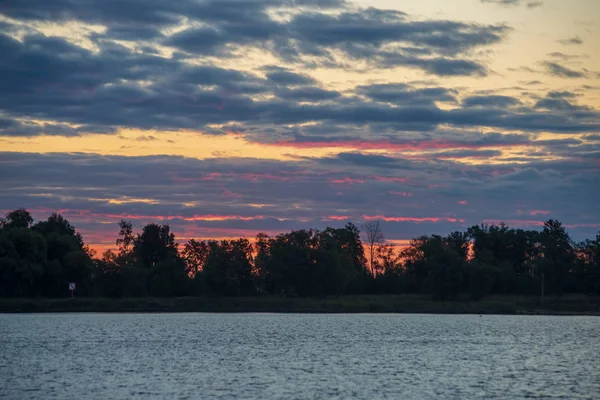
x=297 y=356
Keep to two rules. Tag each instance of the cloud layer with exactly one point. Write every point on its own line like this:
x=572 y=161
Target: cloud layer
x=358 y=113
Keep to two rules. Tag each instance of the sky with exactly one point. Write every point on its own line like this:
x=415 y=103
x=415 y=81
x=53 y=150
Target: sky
x=225 y=118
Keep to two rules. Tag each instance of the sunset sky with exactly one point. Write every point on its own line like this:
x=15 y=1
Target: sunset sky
x=226 y=118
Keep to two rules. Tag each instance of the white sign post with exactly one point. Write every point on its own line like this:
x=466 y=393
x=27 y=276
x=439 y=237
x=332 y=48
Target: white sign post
x=72 y=287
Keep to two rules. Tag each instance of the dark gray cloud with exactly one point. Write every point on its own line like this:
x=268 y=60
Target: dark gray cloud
x=130 y=33
x=567 y=57
x=284 y=76
x=490 y=101
x=562 y=101
x=313 y=94
x=92 y=189
x=418 y=180
x=594 y=138
x=458 y=154
x=372 y=160
x=376 y=27
x=511 y=3
x=221 y=41
x=503 y=2
x=400 y=93
x=534 y=4
x=156 y=12
x=531 y=83
x=380 y=38
x=386 y=38
x=575 y=40
x=562 y=71
x=101 y=90
x=14 y=127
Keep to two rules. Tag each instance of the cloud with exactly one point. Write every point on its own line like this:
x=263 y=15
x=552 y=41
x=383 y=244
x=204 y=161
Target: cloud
x=152 y=12
x=503 y=2
x=225 y=28
x=408 y=143
x=145 y=138
x=15 y=127
x=386 y=38
x=459 y=154
x=531 y=83
x=595 y=138
x=567 y=57
x=313 y=94
x=403 y=94
x=511 y=3
x=562 y=71
x=116 y=87
x=575 y=40
x=421 y=147
x=94 y=192
x=561 y=101
x=534 y=4
x=490 y=101
x=284 y=76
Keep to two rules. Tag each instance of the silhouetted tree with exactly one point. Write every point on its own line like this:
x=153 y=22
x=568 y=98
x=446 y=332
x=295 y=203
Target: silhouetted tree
x=557 y=258
x=373 y=237
x=126 y=237
x=228 y=268
x=40 y=259
x=434 y=265
x=195 y=254
x=588 y=266
x=69 y=260
x=19 y=218
x=22 y=261
x=156 y=243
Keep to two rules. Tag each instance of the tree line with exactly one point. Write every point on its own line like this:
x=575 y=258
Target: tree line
x=40 y=259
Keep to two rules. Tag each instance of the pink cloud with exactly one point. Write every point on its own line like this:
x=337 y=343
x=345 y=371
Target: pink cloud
x=412 y=219
x=346 y=181
x=539 y=212
x=337 y=217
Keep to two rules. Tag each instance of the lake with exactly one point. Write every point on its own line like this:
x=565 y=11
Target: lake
x=298 y=356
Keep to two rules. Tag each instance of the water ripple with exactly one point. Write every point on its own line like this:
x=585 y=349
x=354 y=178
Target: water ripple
x=287 y=356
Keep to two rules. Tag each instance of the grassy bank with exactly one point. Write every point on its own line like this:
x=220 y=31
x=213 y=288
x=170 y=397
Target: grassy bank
x=567 y=305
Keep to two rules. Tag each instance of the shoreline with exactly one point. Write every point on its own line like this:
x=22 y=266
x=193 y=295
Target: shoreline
x=374 y=304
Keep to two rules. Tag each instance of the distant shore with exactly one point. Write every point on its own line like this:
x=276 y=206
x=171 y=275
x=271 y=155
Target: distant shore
x=515 y=305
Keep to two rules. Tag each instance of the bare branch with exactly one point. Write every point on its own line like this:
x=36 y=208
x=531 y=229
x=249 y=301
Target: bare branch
x=374 y=238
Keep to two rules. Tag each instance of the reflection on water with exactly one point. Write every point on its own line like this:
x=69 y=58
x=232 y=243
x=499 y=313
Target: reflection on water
x=284 y=356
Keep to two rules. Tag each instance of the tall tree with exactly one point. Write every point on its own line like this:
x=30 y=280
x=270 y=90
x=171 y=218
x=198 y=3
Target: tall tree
x=69 y=259
x=228 y=268
x=126 y=237
x=558 y=256
x=373 y=237
x=22 y=261
x=19 y=218
x=156 y=243
x=435 y=267
x=195 y=254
